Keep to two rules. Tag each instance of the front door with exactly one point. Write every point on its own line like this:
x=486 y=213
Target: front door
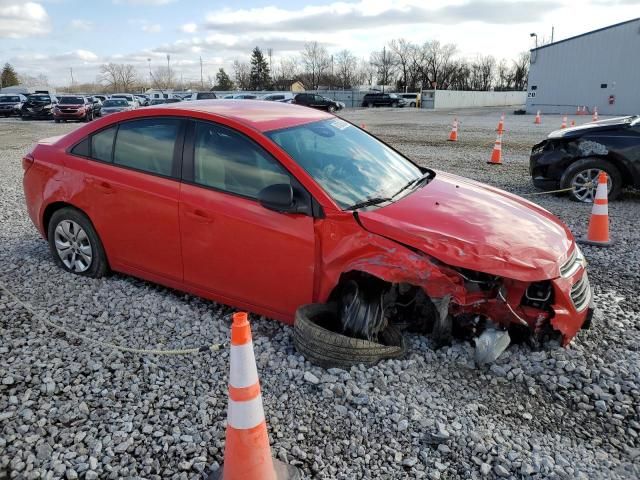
x=232 y=247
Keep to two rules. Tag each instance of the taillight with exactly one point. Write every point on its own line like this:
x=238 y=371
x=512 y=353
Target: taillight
x=27 y=161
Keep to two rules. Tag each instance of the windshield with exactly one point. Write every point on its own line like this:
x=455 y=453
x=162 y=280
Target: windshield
x=128 y=97
x=9 y=99
x=115 y=103
x=72 y=100
x=39 y=98
x=349 y=164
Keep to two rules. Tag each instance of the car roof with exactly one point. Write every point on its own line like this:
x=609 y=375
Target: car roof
x=256 y=114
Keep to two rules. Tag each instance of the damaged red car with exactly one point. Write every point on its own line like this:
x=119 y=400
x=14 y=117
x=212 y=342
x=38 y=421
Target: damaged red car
x=268 y=206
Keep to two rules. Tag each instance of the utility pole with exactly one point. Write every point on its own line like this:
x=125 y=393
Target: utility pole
x=71 y=70
x=168 y=71
x=384 y=67
x=201 y=81
x=150 y=74
x=552 y=29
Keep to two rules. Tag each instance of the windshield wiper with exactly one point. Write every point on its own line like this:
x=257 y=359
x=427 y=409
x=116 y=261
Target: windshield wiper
x=368 y=202
x=415 y=181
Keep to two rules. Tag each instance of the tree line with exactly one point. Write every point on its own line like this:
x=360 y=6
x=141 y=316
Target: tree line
x=400 y=65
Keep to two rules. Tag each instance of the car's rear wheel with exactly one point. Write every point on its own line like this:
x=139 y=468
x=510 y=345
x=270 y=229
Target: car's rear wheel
x=370 y=104
x=75 y=245
x=394 y=104
x=412 y=104
x=331 y=108
x=582 y=176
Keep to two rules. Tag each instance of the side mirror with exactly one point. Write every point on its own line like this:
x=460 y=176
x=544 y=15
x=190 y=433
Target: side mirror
x=278 y=197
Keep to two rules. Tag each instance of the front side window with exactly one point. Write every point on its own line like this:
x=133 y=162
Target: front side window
x=229 y=161
x=147 y=144
x=349 y=164
x=102 y=144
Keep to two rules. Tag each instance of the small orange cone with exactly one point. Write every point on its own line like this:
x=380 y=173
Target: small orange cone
x=247 y=454
x=538 y=120
x=500 y=128
x=564 y=122
x=594 y=118
x=496 y=154
x=598 y=232
x=363 y=126
x=453 y=136
x=573 y=123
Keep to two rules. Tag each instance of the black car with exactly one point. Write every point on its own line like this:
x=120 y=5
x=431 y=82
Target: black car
x=97 y=105
x=317 y=101
x=38 y=105
x=378 y=99
x=11 y=103
x=573 y=157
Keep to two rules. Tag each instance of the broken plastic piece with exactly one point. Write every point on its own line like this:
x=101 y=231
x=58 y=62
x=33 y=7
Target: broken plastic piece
x=442 y=329
x=490 y=345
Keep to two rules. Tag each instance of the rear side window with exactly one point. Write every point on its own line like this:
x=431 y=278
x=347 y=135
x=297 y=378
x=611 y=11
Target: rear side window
x=82 y=148
x=102 y=144
x=229 y=161
x=147 y=144
x=206 y=95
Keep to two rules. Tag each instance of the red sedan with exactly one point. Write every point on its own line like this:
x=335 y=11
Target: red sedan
x=268 y=206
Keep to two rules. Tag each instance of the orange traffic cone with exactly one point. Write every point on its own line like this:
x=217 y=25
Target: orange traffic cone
x=500 y=128
x=538 y=120
x=247 y=454
x=579 y=110
x=453 y=136
x=573 y=123
x=594 y=118
x=496 y=155
x=363 y=126
x=598 y=232
x=564 y=122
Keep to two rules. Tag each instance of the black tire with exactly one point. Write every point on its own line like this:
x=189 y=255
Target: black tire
x=370 y=104
x=99 y=265
x=56 y=120
x=329 y=349
x=593 y=163
x=331 y=108
x=412 y=104
x=394 y=105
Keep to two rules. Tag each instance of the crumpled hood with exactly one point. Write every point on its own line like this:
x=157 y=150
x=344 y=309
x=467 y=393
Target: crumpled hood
x=471 y=225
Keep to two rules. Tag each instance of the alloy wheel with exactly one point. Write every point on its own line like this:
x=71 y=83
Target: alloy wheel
x=585 y=183
x=73 y=246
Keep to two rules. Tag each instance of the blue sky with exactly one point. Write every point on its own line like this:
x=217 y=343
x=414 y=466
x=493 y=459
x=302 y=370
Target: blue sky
x=50 y=36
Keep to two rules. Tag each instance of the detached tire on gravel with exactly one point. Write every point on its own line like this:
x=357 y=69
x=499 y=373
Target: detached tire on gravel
x=326 y=348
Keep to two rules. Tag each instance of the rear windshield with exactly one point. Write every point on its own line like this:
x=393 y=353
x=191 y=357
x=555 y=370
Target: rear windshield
x=39 y=98
x=121 y=96
x=9 y=99
x=115 y=103
x=206 y=95
x=72 y=100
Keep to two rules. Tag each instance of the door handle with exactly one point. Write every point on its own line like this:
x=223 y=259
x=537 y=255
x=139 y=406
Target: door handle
x=198 y=215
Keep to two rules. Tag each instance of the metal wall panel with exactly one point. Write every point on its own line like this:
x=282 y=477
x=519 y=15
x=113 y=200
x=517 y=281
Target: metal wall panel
x=588 y=70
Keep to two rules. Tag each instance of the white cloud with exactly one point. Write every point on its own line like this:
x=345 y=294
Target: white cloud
x=155 y=28
x=189 y=28
x=22 y=19
x=78 y=55
x=143 y=2
x=80 y=24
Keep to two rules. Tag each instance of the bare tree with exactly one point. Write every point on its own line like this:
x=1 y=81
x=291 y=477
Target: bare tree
x=504 y=76
x=118 y=76
x=40 y=80
x=366 y=73
x=405 y=53
x=438 y=64
x=285 y=72
x=242 y=73
x=521 y=71
x=316 y=62
x=346 y=68
x=483 y=72
x=384 y=61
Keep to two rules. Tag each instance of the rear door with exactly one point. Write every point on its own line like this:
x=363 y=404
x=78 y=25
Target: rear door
x=130 y=191
x=233 y=248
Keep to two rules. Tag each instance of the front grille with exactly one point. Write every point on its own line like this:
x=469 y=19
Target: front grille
x=581 y=293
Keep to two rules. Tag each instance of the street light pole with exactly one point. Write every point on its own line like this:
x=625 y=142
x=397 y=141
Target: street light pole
x=536 y=37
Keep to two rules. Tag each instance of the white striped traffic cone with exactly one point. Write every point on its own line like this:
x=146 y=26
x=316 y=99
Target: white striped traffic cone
x=598 y=231
x=496 y=154
x=453 y=135
x=594 y=118
x=247 y=454
x=564 y=122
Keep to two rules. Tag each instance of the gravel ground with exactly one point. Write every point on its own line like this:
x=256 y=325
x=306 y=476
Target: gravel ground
x=72 y=410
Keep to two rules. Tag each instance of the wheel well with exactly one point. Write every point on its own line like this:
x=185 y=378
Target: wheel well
x=627 y=176
x=357 y=275
x=51 y=209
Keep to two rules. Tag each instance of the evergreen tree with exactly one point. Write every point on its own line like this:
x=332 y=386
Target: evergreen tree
x=259 y=78
x=8 y=76
x=223 y=82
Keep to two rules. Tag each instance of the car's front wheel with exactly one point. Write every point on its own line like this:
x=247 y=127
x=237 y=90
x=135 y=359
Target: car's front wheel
x=331 y=108
x=582 y=177
x=370 y=104
x=75 y=245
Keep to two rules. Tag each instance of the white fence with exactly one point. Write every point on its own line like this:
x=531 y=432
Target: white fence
x=445 y=99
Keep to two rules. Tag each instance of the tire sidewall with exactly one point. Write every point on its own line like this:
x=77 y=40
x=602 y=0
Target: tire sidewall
x=99 y=264
x=594 y=163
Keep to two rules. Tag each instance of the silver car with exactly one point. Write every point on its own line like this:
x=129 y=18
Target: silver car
x=114 y=105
